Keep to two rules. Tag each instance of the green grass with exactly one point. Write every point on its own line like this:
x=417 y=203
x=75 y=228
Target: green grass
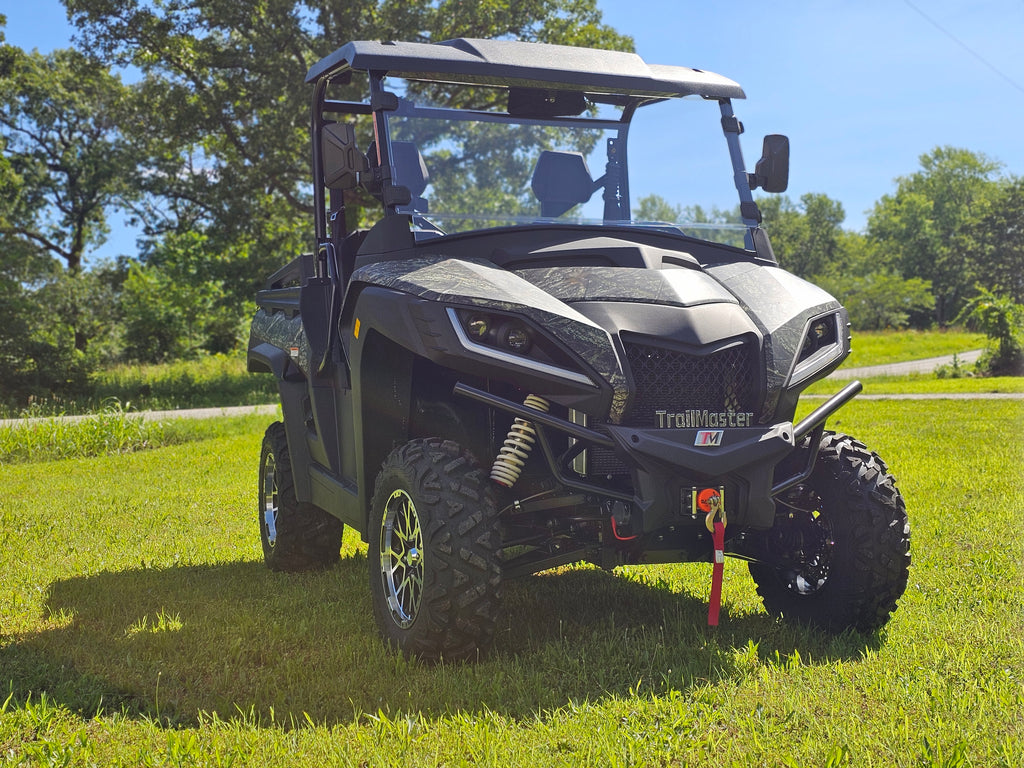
x=141 y=628
x=923 y=384
x=883 y=347
x=109 y=431
x=112 y=430
x=210 y=382
x=214 y=381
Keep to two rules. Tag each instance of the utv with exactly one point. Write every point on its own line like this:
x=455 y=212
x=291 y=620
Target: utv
x=504 y=372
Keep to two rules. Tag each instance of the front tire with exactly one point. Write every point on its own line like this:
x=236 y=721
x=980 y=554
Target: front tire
x=838 y=556
x=296 y=536
x=435 y=574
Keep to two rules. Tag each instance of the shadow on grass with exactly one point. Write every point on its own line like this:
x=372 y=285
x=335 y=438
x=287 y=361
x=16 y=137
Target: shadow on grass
x=246 y=643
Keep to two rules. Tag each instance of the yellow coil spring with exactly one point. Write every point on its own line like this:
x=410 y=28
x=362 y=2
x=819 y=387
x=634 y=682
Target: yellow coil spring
x=515 y=451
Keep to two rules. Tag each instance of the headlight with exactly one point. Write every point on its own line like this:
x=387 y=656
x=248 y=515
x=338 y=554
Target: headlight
x=516 y=338
x=512 y=339
x=819 y=348
x=821 y=333
x=477 y=327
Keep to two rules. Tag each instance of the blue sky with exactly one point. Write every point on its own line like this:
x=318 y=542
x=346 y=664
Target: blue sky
x=861 y=88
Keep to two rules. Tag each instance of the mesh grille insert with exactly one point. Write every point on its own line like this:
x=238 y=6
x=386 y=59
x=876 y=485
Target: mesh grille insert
x=673 y=381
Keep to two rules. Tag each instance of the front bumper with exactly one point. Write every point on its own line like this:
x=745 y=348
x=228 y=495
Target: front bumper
x=754 y=464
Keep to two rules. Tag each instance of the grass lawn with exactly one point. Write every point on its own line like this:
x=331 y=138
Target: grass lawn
x=923 y=384
x=883 y=347
x=139 y=627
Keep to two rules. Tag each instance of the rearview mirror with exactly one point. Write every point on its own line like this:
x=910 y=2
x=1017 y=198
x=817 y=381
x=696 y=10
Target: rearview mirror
x=772 y=171
x=341 y=158
x=537 y=102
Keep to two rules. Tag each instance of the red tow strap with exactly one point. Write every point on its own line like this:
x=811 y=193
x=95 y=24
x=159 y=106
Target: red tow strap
x=715 y=601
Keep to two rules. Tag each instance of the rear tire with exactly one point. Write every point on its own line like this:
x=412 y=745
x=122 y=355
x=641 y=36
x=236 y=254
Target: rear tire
x=296 y=536
x=435 y=573
x=839 y=553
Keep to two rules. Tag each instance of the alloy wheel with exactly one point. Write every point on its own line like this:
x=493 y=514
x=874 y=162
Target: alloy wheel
x=401 y=558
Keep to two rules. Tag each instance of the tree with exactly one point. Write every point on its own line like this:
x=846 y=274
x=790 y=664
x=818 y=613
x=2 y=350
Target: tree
x=66 y=164
x=807 y=238
x=879 y=299
x=20 y=269
x=227 y=114
x=996 y=240
x=714 y=223
x=60 y=115
x=657 y=208
x=926 y=224
x=60 y=173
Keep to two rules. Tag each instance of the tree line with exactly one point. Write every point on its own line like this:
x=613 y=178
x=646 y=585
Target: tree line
x=951 y=230
x=205 y=152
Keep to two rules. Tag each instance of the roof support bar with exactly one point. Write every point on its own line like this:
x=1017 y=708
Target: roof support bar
x=732 y=128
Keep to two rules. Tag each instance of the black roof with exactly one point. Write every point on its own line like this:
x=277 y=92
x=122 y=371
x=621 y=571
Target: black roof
x=516 y=63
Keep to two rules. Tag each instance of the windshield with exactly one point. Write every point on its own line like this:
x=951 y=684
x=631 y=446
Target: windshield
x=481 y=167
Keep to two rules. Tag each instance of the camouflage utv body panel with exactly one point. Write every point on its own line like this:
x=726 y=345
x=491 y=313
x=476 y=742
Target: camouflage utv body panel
x=769 y=295
x=664 y=287
x=284 y=332
x=480 y=283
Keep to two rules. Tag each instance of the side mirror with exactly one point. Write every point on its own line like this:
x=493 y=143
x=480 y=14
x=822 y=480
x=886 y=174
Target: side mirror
x=341 y=158
x=772 y=171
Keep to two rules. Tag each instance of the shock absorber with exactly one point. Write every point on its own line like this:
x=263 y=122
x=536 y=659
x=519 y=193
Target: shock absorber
x=512 y=456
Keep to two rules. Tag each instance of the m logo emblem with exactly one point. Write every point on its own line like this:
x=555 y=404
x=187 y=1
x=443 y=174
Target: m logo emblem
x=708 y=438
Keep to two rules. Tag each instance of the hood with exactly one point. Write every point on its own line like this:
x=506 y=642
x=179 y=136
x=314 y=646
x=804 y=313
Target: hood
x=674 y=287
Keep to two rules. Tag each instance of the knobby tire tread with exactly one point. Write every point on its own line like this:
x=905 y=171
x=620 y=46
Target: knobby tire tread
x=871 y=557
x=308 y=538
x=461 y=597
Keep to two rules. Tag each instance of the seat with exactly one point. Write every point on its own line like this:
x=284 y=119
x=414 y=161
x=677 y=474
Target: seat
x=409 y=171
x=342 y=161
x=560 y=181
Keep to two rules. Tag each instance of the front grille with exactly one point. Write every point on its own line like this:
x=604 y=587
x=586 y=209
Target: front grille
x=674 y=381
x=602 y=462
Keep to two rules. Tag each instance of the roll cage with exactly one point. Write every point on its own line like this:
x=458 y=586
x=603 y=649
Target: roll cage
x=549 y=85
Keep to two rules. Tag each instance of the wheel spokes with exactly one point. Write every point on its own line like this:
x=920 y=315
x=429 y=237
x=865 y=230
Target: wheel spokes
x=806 y=543
x=270 y=500
x=401 y=560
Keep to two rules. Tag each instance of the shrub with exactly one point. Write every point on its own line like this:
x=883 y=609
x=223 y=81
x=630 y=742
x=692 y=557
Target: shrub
x=954 y=370
x=176 y=308
x=1002 y=320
